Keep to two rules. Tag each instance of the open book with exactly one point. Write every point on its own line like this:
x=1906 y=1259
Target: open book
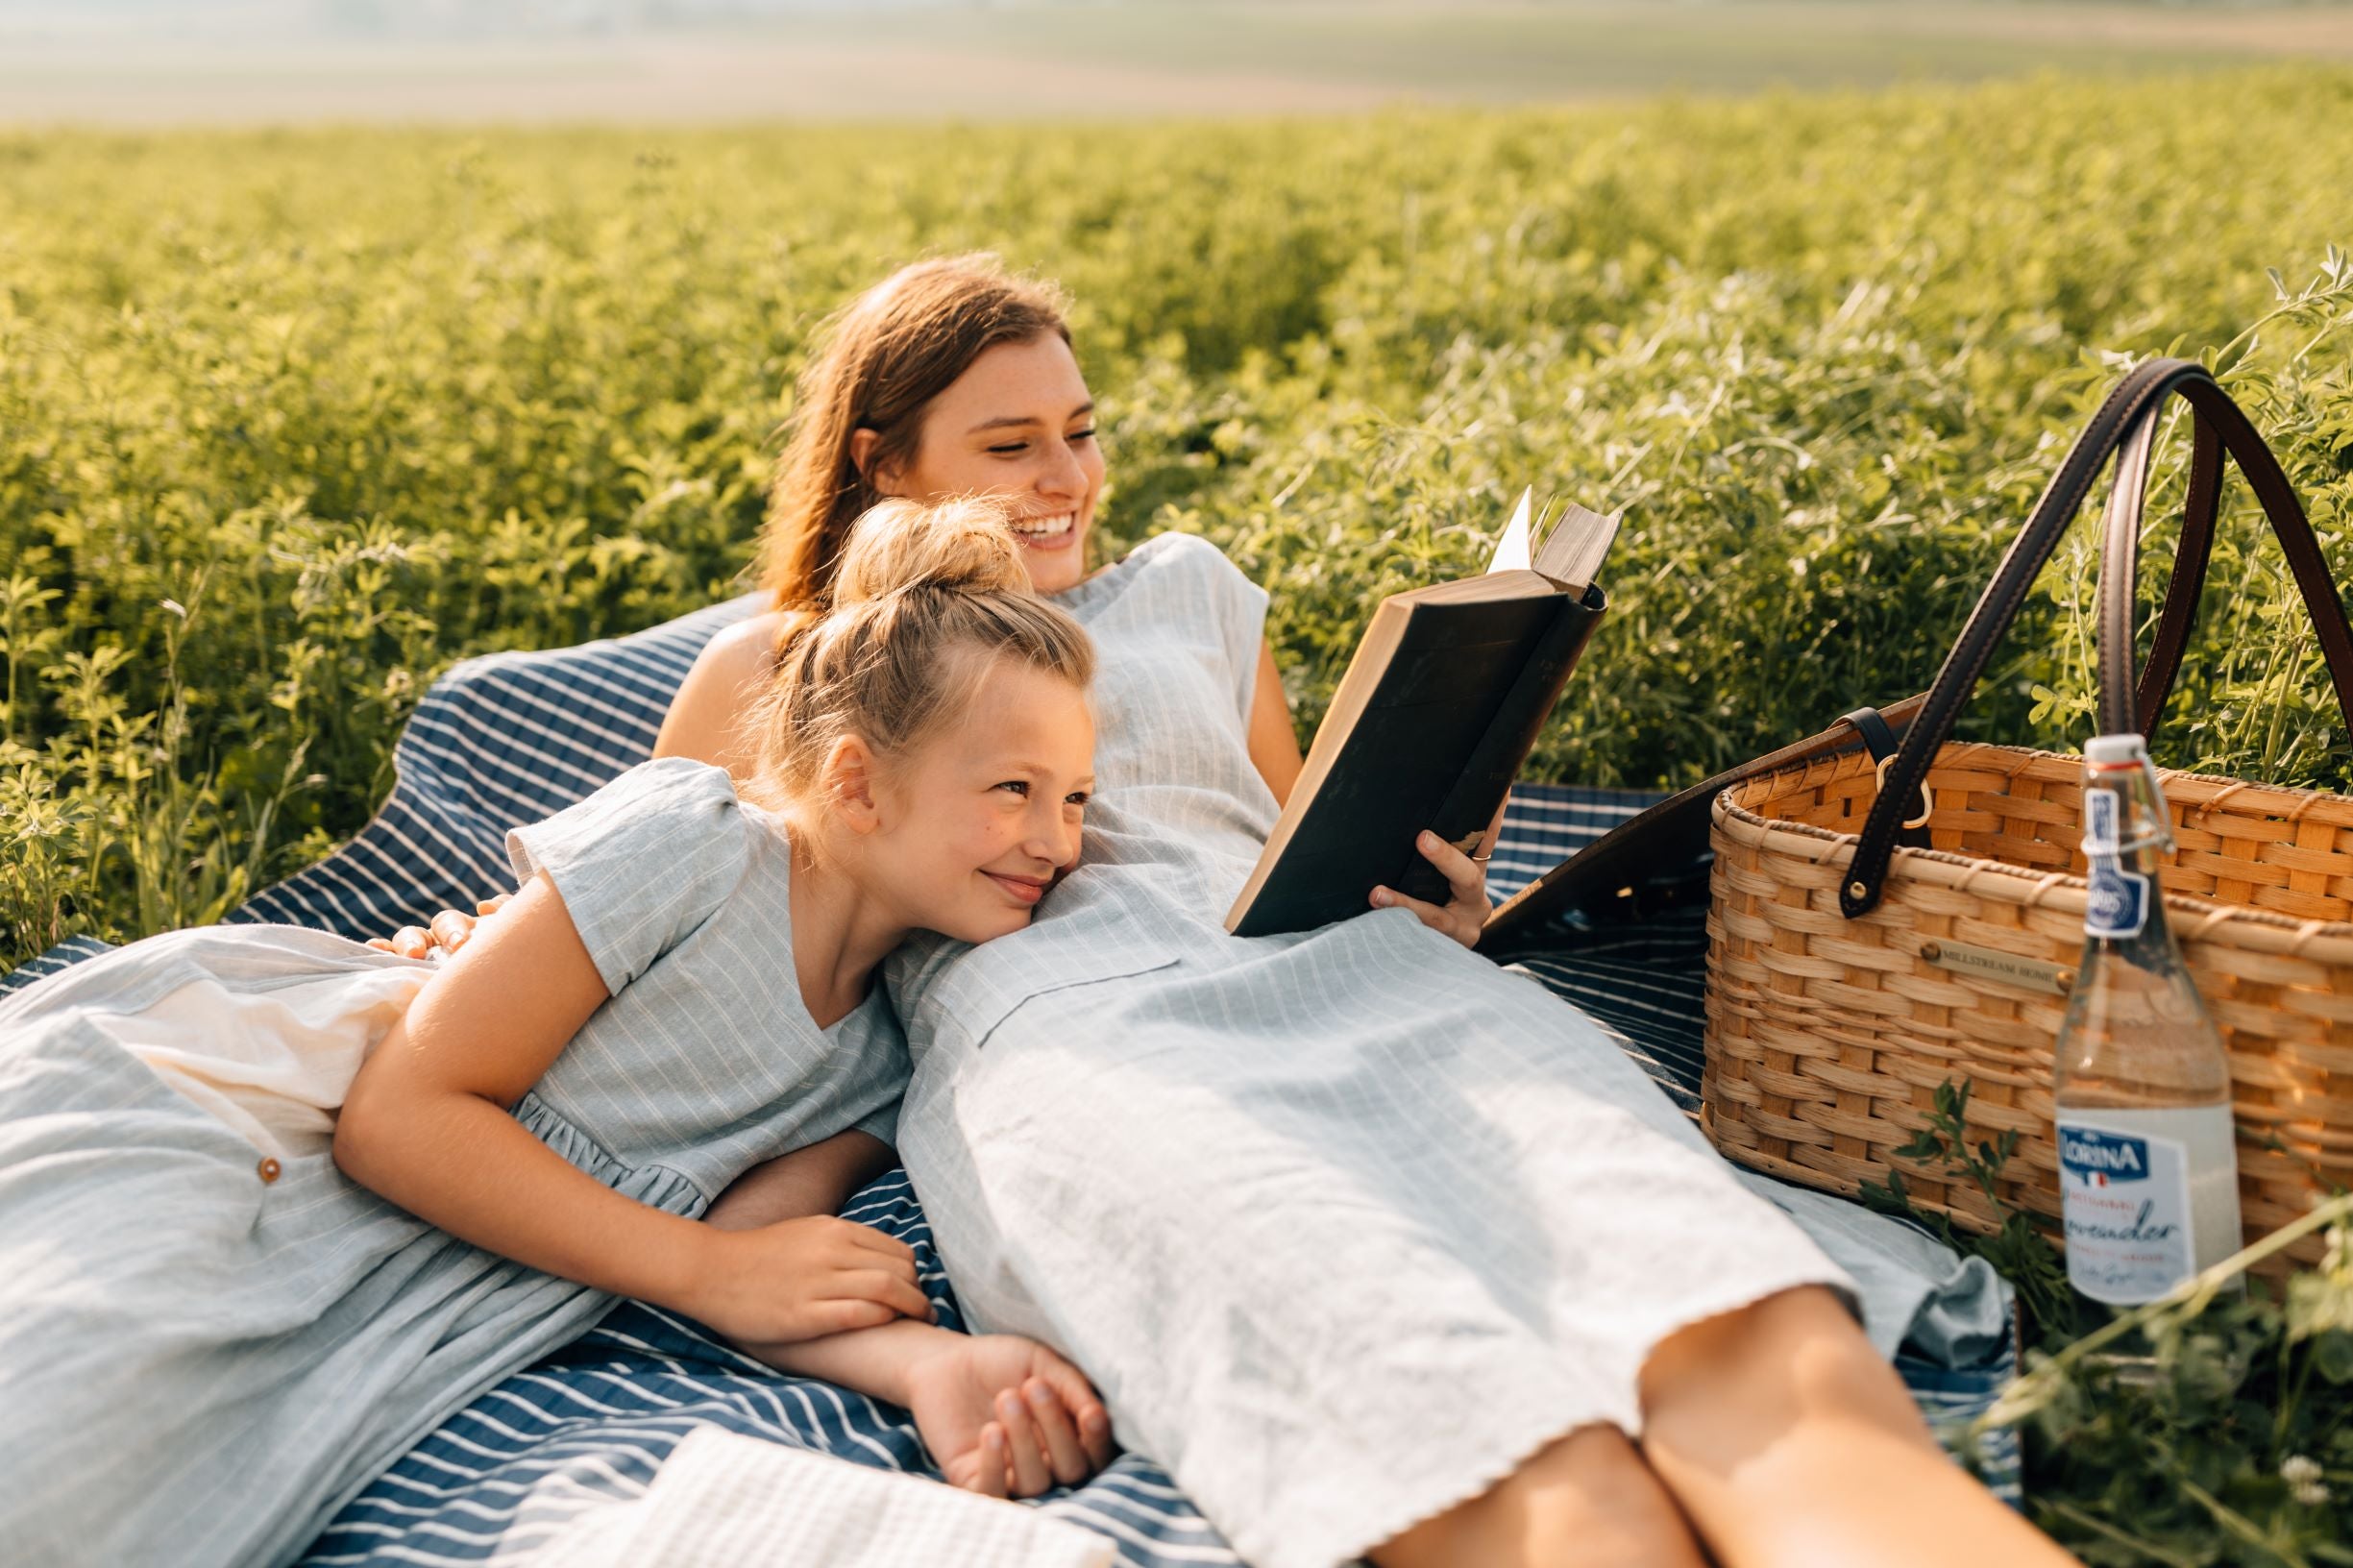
x=1440 y=705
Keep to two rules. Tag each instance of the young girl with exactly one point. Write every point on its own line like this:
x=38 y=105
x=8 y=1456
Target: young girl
x=273 y=1205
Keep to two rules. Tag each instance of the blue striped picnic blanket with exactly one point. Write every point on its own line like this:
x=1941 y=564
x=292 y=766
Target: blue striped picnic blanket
x=510 y=738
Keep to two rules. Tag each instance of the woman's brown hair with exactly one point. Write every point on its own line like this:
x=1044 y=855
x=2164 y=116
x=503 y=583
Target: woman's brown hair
x=885 y=357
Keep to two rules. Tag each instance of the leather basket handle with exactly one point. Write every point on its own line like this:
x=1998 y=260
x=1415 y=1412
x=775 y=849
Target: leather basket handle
x=2125 y=424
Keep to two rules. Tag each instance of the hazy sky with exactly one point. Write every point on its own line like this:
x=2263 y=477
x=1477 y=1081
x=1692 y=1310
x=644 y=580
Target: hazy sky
x=227 y=18
x=161 y=63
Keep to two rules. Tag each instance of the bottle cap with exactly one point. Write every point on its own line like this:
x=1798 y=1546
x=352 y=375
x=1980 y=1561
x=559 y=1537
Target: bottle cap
x=2115 y=748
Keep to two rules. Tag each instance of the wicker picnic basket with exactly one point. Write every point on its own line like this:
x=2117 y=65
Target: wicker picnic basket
x=1864 y=950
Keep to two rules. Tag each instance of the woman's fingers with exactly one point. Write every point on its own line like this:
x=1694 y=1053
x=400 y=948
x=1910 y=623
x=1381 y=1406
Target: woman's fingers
x=1030 y=1475
x=1065 y=1456
x=452 y=929
x=1464 y=876
x=1440 y=919
x=1467 y=908
x=1085 y=1407
x=411 y=942
x=1095 y=1431
x=991 y=1479
x=491 y=906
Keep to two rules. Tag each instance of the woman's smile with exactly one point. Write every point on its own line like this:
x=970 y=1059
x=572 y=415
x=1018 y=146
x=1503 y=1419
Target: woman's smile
x=1043 y=535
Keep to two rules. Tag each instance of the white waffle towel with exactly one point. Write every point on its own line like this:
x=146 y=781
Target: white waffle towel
x=723 y=1499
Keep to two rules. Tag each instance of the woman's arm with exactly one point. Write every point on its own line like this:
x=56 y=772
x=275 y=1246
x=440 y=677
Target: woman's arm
x=706 y=717
x=817 y=1180
x=427 y=1124
x=1274 y=749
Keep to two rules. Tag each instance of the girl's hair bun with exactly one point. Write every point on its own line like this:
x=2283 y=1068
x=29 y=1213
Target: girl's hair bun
x=924 y=599
x=958 y=547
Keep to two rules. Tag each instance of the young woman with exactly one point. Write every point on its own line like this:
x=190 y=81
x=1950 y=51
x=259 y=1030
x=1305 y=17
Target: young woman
x=272 y=1205
x=1379 y=1249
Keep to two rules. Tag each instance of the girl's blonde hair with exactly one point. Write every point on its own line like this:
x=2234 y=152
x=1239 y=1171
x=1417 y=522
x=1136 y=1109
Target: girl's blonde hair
x=924 y=599
x=885 y=357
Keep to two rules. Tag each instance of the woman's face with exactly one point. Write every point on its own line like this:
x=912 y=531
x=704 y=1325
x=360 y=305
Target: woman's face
x=1019 y=424
x=985 y=814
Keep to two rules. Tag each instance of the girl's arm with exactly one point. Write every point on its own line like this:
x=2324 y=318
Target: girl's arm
x=1000 y=1414
x=427 y=1124
x=1274 y=747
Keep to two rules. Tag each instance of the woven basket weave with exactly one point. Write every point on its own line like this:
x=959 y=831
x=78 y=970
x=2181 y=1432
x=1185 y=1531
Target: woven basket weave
x=1827 y=1036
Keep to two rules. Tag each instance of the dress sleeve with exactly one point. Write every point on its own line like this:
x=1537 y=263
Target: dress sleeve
x=642 y=862
x=1232 y=605
x=882 y=1123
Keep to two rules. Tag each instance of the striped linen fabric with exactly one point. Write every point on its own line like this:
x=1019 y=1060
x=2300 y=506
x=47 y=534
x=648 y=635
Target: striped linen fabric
x=511 y=738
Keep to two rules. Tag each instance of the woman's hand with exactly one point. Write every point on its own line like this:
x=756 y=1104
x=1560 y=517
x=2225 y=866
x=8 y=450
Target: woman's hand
x=803 y=1279
x=1465 y=912
x=450 y=931
x=1007 y=1417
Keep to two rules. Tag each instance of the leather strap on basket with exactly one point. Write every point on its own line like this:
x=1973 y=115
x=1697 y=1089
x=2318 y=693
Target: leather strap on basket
x=2124 y=424
x=1880 y=741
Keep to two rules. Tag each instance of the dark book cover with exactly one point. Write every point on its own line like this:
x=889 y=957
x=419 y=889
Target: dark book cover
x=1440 y=705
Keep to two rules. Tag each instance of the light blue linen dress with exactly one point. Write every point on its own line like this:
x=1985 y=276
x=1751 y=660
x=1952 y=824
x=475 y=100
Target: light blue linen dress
x=1345 y=1224
x=199 y=1364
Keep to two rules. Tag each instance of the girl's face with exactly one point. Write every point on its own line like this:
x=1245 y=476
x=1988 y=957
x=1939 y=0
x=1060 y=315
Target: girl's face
x=977 y=821
x=1018 y=425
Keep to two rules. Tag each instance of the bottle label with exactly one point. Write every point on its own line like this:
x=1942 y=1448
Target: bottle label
x=2125 y=1201
x=2118 y=907
x=2103 y=834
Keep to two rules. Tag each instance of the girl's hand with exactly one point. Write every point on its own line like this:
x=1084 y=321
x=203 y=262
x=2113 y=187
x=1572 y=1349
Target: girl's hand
x=1007 y=1417
x=803 y=1279
x=1466 y=911
x=451 y=930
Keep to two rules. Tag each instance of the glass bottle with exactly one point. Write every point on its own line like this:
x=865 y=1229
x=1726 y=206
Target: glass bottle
x=2149 y=1168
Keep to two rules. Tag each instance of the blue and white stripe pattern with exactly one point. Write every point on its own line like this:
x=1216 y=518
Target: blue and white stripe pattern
x=499 y=741
x=595 y=1421
x=513 y=738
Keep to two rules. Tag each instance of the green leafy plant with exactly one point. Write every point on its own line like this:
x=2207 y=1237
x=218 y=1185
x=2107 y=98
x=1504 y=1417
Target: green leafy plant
x=2226 y=1437
x=2018 y=1247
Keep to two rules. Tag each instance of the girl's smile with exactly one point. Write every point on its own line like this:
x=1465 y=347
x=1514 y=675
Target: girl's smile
x=1025 y=890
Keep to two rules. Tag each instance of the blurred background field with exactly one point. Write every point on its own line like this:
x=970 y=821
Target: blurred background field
x=171 y=61
x=296 y=408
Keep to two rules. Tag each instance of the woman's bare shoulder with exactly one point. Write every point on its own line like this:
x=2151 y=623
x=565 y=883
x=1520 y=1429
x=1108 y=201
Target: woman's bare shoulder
x=706 y=717
x=746 y=647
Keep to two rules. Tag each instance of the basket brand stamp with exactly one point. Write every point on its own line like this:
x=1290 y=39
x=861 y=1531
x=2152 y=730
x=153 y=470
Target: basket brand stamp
x=1990 y=963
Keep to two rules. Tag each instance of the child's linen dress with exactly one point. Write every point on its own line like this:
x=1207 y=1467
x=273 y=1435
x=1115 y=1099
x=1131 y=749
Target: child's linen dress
x=1344 y=1225
x=210 y=1336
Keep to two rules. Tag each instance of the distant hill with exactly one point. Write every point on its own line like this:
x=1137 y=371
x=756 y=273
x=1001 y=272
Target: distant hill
x=212 y=62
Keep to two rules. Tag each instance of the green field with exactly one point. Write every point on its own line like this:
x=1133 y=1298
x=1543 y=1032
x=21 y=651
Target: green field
x=291 y=420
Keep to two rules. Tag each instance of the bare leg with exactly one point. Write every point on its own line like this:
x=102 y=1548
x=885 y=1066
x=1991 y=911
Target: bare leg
x=1586 y=1501
x=1787 y=1440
